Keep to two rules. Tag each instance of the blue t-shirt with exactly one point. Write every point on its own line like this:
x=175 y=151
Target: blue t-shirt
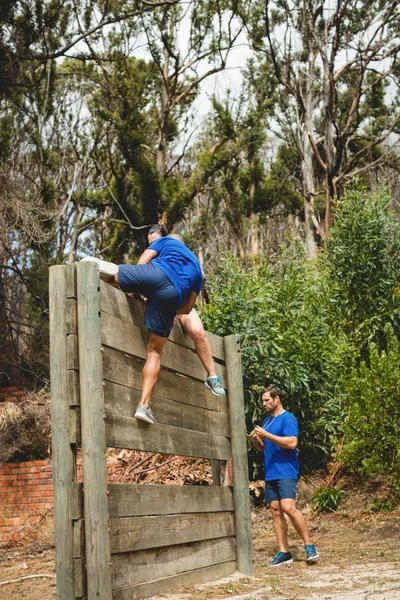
x=280 y=463
x=180 y=265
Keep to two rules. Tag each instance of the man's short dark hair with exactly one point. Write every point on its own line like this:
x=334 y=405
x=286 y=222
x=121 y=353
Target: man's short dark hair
x=273 y=390
x=158 y=228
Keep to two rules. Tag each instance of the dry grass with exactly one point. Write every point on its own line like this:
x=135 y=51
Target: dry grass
x=25 y=430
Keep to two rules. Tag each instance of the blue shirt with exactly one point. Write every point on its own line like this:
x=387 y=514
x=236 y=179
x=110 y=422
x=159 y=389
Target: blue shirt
x=280 y=463
x=179 y=264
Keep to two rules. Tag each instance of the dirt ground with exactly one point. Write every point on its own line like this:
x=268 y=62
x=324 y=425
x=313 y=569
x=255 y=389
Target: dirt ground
x=359 y=559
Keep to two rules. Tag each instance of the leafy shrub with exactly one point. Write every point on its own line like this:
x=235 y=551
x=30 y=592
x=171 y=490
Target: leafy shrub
x=387 y=504
x=327 y=499
x=280 y=311
x=372 y=426
x=362 y=260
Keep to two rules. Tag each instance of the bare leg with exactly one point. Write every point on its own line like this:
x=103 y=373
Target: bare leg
x=152 y=366
x=280 y=525
x=288 y=506
x=194 y=327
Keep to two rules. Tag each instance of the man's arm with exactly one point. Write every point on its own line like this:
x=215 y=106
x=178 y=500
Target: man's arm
x=287 y=442
x=147 y=256
x=188 y=304
x=257 y=442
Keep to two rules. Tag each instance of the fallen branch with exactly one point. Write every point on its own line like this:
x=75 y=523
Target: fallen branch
x=26 y=577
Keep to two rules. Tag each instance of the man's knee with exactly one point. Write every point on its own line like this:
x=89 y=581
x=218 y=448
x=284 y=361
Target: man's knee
x=289 y=506
x=275 y=509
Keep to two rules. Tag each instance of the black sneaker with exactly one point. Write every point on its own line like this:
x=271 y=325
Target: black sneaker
x=311 y=553
x=281 y=558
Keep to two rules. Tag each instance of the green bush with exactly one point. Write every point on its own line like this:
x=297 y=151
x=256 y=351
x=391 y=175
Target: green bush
x=372 y=426
x=362 y=265
x=327 y=499
x=280 y=311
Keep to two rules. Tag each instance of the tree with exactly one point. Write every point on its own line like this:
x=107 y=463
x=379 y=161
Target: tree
x=341 y=116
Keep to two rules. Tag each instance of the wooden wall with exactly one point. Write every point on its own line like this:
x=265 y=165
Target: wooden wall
x=135 y=541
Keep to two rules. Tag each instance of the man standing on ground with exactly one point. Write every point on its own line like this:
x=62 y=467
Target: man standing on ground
x=194 y=328
x=278 y=437
x=170 y=277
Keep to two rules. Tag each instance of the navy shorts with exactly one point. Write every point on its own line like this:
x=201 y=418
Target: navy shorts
x=279 y=489
x=162 y=297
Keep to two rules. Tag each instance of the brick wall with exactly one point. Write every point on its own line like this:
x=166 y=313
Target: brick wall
x=26 y=493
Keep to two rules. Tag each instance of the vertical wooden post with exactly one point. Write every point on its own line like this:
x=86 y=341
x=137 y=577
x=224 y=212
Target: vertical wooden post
x=98 y=554
x=240 y=470
x=63 y=456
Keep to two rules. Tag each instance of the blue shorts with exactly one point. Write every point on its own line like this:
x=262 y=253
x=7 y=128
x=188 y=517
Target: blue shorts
x=162 y=297
x=279 y=489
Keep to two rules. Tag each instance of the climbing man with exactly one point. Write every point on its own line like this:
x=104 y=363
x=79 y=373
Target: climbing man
x=194 y=328
x=169 y=275
x=278 y=437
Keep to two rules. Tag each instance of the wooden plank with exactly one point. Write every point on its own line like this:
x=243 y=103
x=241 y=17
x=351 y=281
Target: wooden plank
x=80 y=578
x=74 y=425
x=241 y=495
x=63 y=454
x=127 y=370
x=125 y=432
x=72 y=316
x=130 y=310
x=130 y=568
x=71 y=281
x=79 y=538
x=129 y=338
x=93 y=434
x=72 y=350
x=73 y=387
x=77 y=501
x=159 y=586
x=140 y=533
x=129 y=500
x=122 y=401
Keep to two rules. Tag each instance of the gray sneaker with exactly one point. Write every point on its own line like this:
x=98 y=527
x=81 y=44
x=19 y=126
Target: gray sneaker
x=144 y=414
x=214 y=384
x=107 y=269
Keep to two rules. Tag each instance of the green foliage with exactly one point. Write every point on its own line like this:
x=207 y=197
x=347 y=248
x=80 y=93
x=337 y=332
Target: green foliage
x=371 y=429
x=327 y=499
x=279 y=310
x=388 y=503
x=362 y=257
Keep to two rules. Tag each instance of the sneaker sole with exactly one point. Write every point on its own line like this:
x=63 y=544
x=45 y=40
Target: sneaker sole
x=141 y=417
x=313 y=558
x=215 y=393
x=106 y=269
x=286 y=562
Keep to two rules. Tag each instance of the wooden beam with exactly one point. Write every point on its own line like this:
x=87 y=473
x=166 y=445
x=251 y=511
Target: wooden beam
x=79 y=538
x=131 y=339
x=125 y=432
x=240 y=471
x=130 y=310
x=126 y=370
x=80 y=578
x=77 y=501
x=153 y=588
x=130 y=500
x=63 y=454
x=140 y=533
x=97 y=537
x=130 y=568
x=121 y=400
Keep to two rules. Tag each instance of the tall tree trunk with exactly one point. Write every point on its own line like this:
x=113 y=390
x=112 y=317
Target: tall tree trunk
x=307 y=166
x=253 y=218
